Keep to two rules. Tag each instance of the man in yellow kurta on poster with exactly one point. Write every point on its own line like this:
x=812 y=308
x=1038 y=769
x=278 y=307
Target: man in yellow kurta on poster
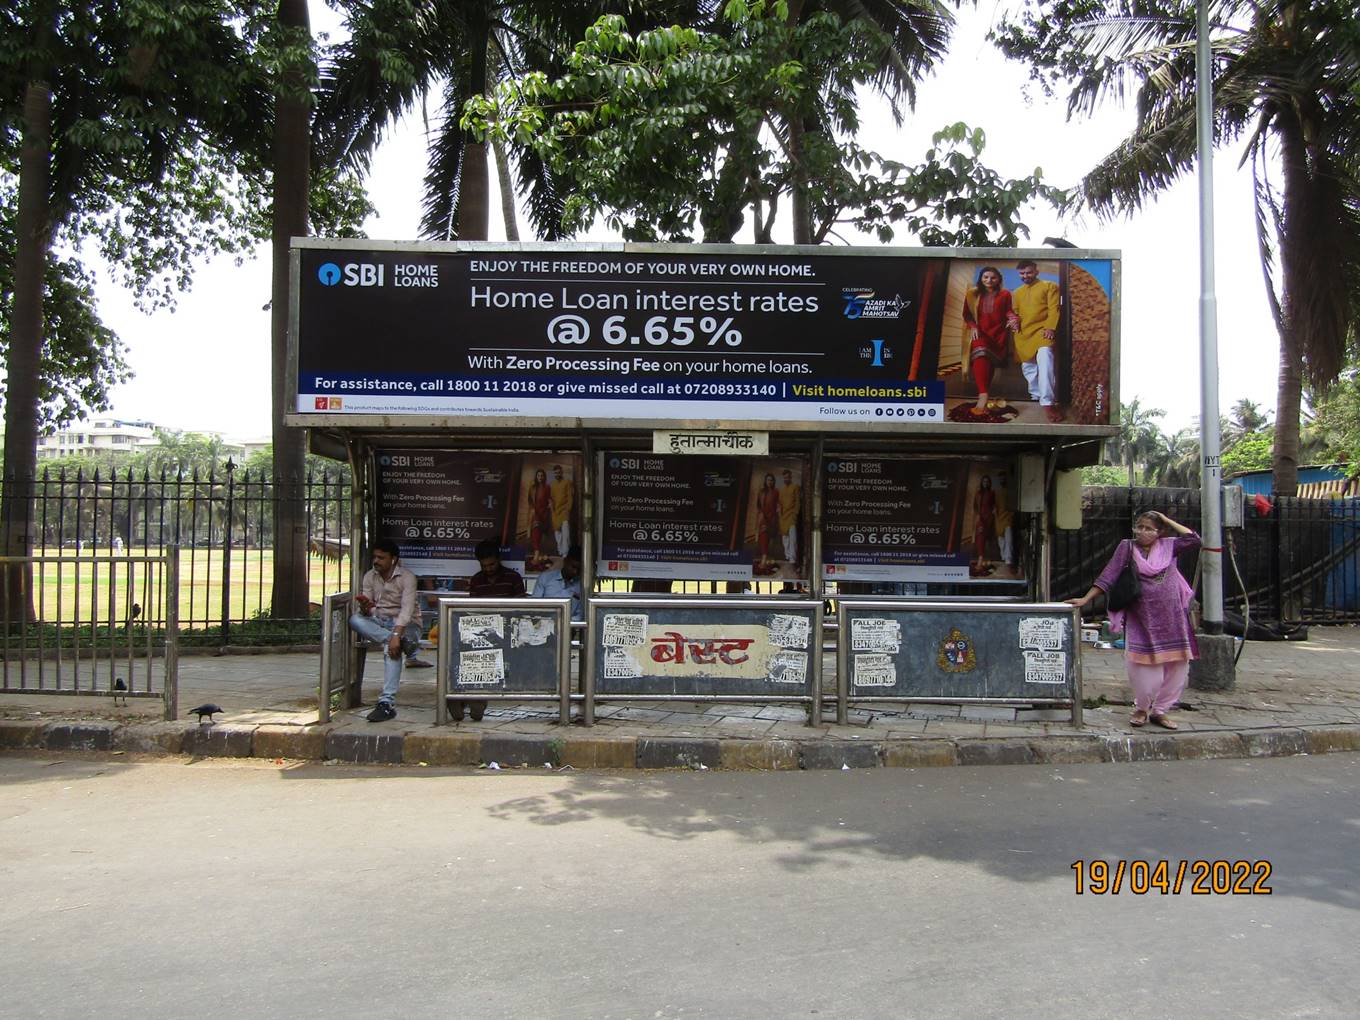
x=563 y=493
x=790 y=509
x=1036 y=307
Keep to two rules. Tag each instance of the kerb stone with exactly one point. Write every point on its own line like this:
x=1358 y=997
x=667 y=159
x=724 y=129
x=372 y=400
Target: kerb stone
x=911 y=754
x=153 y=738
x=600 y=753
x=677 y=753
x=993 y=751
x=1326 y=739
x=759 y=755
x=306 y=743
x=443 y=748
x=364 y=748
x=17 y=733
x=226 y=740
x=1274 y=743
x=81 y=736
x=835 y=754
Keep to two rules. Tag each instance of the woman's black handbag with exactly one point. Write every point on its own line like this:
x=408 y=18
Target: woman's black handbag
x=1126 y=588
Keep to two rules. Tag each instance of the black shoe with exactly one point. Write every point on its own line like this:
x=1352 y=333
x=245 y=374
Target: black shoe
x=414 y=663
x=457 y=709
x=382 y=712
x=477 y=709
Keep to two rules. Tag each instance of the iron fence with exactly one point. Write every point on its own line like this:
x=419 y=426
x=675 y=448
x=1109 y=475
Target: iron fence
x=222 y=523
x=111 y=629
x=1294 y=559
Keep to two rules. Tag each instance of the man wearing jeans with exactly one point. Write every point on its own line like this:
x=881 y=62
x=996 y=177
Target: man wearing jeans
x=388 y=616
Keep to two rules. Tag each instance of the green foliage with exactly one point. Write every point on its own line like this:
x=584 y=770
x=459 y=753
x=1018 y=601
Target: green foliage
x=1103 y=474
x=1285 y=82
x=1250 y=453
x=676 y=133
x=1336 y=421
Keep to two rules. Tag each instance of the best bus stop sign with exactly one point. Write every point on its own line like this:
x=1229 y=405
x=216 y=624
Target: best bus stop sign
x=618 y=336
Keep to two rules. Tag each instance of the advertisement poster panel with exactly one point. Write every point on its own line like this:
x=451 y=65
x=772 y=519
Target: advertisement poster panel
x=718 y=518
x=613 y=336
x=438 y=504
x=901 y=520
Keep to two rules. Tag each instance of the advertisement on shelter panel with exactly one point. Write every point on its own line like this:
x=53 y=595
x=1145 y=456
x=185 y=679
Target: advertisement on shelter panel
x=900 y=520
x=718 y=518
x=612 y=335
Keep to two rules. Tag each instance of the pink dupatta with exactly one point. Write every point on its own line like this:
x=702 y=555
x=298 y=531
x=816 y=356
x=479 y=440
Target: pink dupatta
x=1160 y=557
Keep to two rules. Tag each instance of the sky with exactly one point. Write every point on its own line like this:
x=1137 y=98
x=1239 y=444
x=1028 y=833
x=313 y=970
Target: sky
x=205 y=366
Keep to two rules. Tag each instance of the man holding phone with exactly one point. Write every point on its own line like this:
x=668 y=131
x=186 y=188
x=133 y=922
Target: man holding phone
x=388 y=616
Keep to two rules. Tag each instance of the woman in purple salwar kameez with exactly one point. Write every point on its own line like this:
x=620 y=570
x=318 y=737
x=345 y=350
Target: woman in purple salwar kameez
x=1159 y=641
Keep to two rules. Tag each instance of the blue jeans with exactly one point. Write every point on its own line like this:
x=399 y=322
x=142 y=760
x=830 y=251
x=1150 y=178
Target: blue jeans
x=379 y=629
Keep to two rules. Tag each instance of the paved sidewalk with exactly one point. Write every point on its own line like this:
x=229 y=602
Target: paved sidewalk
x=1290 y=697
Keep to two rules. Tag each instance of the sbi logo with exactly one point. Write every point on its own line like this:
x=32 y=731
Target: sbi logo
x=354 y=274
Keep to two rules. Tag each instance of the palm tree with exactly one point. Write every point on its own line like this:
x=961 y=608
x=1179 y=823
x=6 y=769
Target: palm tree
x=906 y=41
x=401 y=52
x=1138 y=437
x=1285 y=81
x=1175 y=461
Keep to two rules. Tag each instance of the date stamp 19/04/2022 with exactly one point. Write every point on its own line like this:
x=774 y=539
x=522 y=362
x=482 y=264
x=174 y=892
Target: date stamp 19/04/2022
x=1202 y=877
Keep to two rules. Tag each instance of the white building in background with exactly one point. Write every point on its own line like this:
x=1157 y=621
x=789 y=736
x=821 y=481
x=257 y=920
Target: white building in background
x=118 y=435
x=97 y=436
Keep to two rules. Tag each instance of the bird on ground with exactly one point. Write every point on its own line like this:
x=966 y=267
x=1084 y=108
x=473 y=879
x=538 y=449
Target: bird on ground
x=209 y=710
x=119 y=687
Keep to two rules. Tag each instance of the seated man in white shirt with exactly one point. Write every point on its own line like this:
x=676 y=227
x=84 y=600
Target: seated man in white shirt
x=388 y=615
x=563 y=583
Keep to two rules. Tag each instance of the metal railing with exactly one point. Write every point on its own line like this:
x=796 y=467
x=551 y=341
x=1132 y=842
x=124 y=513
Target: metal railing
x=222 y=522
x=1298 y=561
x=107 y=626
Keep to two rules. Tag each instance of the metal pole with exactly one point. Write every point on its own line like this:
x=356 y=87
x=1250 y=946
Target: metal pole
x=1211 y=477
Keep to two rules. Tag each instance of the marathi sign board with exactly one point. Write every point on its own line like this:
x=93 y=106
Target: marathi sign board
x=958 y=652
x=438 y=504
x=706 y=441
x=504 y=650
x=713 y=649
x=919 y=520
x=721 y=518
x=613 y=336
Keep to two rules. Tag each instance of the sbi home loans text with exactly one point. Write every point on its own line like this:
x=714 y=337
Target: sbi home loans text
x=758 y=338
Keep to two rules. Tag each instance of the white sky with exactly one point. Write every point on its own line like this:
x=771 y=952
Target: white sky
x=206 y=365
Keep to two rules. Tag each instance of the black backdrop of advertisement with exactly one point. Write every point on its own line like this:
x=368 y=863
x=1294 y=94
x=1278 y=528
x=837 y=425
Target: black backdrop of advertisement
x=438 y=504
x=682 y=517
x=611 y=335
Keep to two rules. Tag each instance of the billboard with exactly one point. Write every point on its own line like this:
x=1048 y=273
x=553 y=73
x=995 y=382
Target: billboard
x=438 y=504
x=625 y=336
x=685 y=517
x=915 y=520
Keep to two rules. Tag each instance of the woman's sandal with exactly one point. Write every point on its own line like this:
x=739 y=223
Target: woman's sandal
x=1165 y=722
x=1139 y=718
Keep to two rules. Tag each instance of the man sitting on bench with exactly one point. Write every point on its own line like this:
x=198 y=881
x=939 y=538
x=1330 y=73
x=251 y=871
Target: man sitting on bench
x=388 y=616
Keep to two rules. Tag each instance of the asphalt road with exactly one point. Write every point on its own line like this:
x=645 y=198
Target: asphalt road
x=237 y=889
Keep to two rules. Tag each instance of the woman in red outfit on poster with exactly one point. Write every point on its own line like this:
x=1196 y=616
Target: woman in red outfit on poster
x=986 y=315
x=767 y=519
x=984 y=523
x=540 y=506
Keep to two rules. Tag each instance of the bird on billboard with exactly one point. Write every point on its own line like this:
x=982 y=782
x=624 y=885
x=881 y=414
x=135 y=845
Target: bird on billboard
x=209 y=710
x=1058 y=242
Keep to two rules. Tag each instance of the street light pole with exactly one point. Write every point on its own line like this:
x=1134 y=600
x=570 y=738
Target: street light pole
x=1211 y=475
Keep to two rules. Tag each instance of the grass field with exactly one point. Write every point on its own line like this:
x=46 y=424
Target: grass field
x=106 y=591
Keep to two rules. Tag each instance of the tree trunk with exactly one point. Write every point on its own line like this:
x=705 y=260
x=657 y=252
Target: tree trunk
x=292 y=155
x=1285 y=453
x=1293 y=262
x=507 y=187
x=474 y=185
x=34 y=239
x=802 y=200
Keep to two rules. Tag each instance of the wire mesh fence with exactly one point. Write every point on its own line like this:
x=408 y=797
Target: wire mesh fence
x=222 y=525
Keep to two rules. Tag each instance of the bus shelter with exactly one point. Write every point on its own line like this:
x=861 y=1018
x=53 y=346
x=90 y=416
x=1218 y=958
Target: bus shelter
x=706 y=421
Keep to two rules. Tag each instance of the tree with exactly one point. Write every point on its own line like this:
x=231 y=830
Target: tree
x=1336 y=422
x=679 y=133
x=123 y=121
x=1285 y=81
x=401 y=52
x=1175 y=460
x=1138 y=437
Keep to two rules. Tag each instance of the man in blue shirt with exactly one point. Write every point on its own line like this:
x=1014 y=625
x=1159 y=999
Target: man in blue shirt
x=563 y=583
